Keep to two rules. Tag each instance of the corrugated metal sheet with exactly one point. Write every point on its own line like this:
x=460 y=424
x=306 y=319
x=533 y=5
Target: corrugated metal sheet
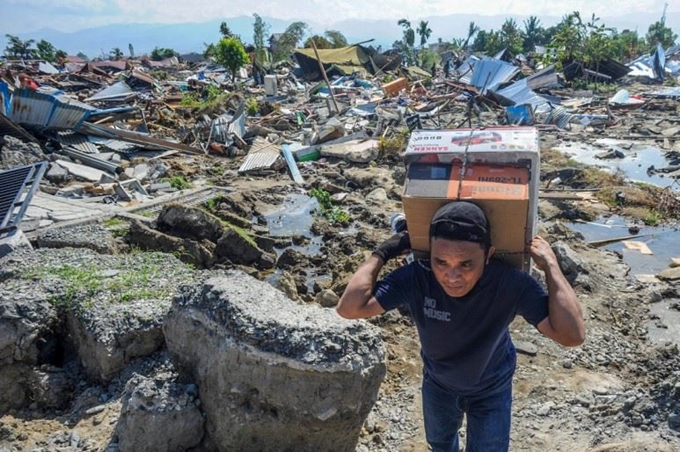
x=490 y=74
x=76 y=140
x=4 y=98
x=118 y=91
x=140 y=139
x=49 y=111
x=520 y=93
x=263 y=155
x=659 y=63
x=120 y=146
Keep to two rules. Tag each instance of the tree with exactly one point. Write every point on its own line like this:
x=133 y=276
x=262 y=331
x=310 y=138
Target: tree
x=473 y=29
x=260 y=29
x=489 y=42
x=229 y=52
x=18 y=48
x=336 y=39
x=116 y=53
x=511 y=36
x=131 y=50
x=82 y=55
x=289 y=40
x=161 y=53
x=319 y=41
x=225 y=31
x=534 y=34
x=46 y=51
x=659 y=33
x=408 y=41
x=424 y=31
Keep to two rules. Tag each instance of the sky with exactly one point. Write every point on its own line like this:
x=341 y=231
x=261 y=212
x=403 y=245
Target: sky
x=21 y=16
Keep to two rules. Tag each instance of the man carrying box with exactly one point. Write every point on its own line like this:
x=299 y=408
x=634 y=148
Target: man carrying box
x=462 y=302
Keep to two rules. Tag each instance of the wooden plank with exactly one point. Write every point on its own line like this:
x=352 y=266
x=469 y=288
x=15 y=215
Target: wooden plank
x=639 y=246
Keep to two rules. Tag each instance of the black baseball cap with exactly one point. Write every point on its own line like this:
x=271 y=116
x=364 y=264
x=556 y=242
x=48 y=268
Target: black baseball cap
x=461 y=220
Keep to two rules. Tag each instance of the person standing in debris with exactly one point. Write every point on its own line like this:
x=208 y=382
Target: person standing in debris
x=462 y=302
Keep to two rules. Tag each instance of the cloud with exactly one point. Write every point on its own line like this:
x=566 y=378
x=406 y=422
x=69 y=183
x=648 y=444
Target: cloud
x=75 y=14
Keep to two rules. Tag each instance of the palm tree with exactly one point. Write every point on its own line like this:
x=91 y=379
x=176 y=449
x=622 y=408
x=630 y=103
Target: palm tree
x=16 y=47
x=473 y=29
x=409 y=35
x=533 y=33
x=116 y=53
x=424 y=32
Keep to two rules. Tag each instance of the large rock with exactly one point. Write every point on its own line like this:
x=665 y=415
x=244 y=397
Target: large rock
x=159 y=414
x=570 y=262
x=200 y=254
x=272 y=374
x=189 y=222
x=239 y=248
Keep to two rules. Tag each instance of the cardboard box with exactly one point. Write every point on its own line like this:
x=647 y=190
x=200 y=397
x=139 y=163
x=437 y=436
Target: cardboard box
x=502 y=181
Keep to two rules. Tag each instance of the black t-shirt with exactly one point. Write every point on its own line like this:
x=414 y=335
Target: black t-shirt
x=465 y=344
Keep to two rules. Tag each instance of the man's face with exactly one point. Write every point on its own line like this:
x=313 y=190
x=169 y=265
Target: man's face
x=457 y=265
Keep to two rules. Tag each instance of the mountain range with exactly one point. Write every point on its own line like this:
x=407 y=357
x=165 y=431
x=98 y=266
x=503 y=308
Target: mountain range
x=191 y=37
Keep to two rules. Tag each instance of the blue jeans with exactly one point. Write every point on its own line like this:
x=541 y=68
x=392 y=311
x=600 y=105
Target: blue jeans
x=488 y=419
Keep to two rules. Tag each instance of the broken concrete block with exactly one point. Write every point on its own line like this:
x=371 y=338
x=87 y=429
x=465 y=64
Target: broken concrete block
x=92 y=235
x=357 y=151
x=273 y=374
x=110 y=335
x=166 y=408
x=15 y=240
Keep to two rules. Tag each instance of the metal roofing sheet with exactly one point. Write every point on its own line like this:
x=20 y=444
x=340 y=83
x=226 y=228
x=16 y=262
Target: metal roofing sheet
x=4 y=98
x=46 y=110
x=119 y=90
x=520 y=93
x=262 y=155
x=490 y=74
x=77 y=141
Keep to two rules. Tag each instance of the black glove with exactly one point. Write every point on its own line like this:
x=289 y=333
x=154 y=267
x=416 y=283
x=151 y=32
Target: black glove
x=393 y=247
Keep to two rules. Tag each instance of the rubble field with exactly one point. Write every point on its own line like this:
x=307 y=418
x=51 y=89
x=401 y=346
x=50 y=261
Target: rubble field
x=168 y=238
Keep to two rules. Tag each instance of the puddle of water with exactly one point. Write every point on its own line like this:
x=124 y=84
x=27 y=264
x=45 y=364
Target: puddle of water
x=634 y=165
x=294 y=217
x=664 y=242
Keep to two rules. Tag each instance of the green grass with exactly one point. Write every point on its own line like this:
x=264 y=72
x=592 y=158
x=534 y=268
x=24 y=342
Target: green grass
x=178 y=182
x=334 y=214
x=86 y=284
x=115 y=222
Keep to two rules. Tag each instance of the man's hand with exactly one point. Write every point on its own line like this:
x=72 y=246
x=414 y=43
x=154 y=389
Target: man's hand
x=542 y=253
x=393 y=247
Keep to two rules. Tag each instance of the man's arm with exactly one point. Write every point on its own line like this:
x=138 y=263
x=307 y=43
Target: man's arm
x=358 y=302
x=564 y=323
